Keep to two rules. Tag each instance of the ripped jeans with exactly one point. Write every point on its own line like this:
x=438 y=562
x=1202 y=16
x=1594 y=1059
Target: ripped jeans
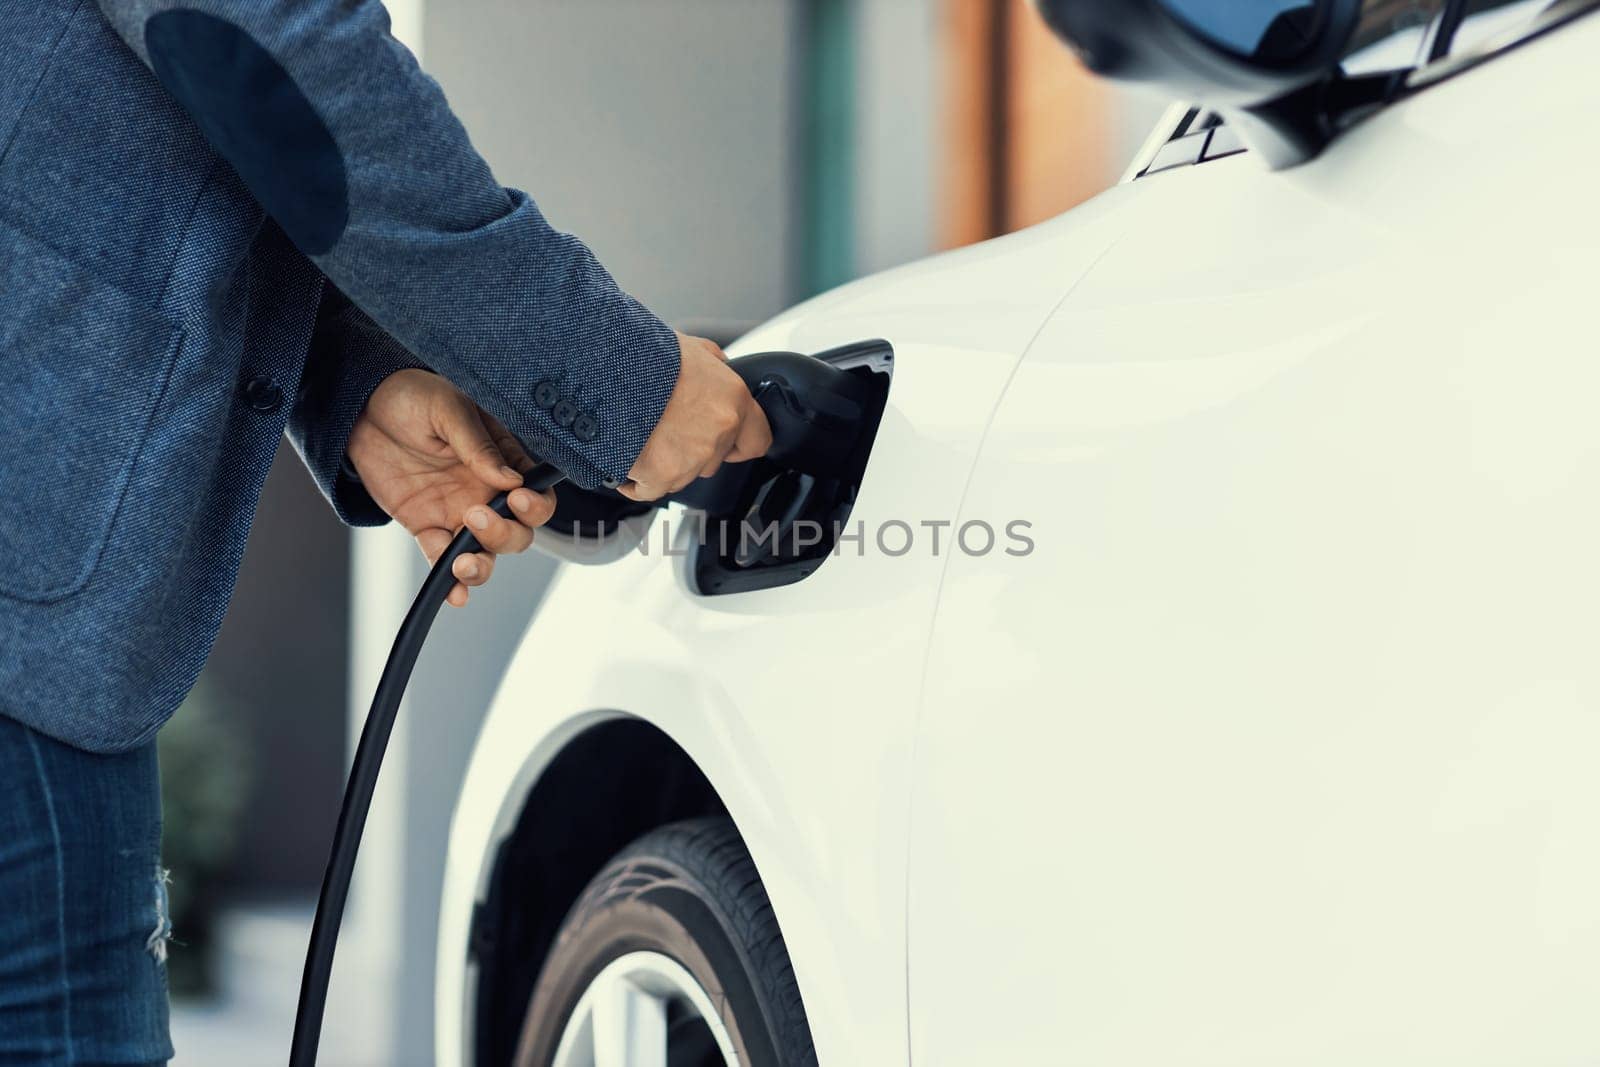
x=83 y=927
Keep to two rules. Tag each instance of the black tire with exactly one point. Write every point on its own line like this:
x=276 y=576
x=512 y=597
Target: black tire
x=690 y=892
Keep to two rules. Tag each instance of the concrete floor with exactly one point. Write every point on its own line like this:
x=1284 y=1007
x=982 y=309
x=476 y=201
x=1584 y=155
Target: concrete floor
x=249 y=1023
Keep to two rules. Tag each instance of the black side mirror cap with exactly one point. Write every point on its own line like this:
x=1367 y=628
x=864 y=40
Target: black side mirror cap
x=1175 y=45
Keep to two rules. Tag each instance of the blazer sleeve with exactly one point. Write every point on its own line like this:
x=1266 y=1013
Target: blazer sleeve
x=350 y=355
x=354 y=151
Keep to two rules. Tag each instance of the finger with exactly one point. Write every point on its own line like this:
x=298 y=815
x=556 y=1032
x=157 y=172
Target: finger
x=641 y=493
x=457 y=597
x=463 y=430
x=433 y=542
x=754 y=439
x=508 y=444
x=532 y=509
x=473 y=568
x=643 y=473
x=711 y=468
x=496 y=534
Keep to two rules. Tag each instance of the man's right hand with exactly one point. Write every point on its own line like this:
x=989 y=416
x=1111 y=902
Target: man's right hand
x=710 y=418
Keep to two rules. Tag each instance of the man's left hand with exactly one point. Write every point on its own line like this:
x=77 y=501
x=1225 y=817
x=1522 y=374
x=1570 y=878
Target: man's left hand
x=432 y=459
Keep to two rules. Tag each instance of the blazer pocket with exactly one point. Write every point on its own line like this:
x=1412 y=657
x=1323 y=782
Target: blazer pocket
x=82 y=367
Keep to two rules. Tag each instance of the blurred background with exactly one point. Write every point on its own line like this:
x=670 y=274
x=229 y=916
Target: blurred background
x=725 y=159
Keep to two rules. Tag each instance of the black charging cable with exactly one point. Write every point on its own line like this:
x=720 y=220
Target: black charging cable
x=817 y=413
x=364 y=775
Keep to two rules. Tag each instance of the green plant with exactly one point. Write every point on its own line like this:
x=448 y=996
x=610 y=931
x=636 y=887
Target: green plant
x=204 y=782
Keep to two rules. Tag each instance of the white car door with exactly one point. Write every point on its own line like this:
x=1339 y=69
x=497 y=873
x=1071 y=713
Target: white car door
x=1279 y=746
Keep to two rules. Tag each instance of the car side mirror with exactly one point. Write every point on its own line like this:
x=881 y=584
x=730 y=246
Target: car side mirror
x=1243 y=57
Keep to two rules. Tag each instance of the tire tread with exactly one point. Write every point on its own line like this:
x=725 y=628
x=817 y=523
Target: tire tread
x=713 y=853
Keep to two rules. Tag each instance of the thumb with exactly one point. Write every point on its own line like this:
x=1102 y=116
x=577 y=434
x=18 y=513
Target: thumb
x=755 y=435
x=463 y=430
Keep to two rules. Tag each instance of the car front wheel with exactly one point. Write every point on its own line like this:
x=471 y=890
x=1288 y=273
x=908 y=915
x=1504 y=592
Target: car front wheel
x=671 y=957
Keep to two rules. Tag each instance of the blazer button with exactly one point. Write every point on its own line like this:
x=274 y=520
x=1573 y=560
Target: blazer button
x=585 y=427
x=263 y=394
x=546 y=393
x=564 y=413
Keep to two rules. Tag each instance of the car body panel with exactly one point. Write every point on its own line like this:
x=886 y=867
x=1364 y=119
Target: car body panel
x=797 y=703
x=1279 y=747
x=1275 y=749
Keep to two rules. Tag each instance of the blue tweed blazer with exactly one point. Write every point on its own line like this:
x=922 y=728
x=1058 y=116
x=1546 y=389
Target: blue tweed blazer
x=221 y=220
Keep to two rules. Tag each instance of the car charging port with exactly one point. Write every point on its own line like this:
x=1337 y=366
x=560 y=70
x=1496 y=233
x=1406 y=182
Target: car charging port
x=774 y=521
x=771 y=521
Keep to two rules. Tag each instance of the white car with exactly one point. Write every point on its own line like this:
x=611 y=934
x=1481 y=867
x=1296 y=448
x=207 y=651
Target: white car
x=1247 y=710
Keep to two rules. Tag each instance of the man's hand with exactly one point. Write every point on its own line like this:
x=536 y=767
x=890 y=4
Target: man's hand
x=710 y=419
x=432 y=459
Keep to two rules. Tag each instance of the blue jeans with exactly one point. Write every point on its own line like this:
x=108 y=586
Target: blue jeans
x=83 y=927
